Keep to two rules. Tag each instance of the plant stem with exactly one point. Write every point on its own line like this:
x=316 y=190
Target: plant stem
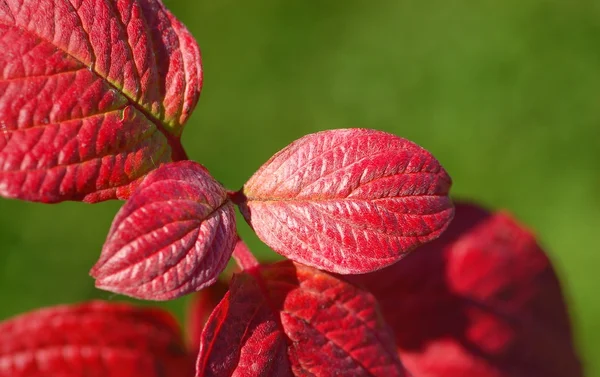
x=177 y=150
x=243 y=256
x=237 y=197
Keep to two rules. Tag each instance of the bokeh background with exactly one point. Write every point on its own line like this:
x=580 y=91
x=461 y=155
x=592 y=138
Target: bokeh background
x=505 y=93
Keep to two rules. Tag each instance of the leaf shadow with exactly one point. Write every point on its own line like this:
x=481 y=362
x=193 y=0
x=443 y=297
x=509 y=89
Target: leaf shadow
x=427 y=302
x=506 y=313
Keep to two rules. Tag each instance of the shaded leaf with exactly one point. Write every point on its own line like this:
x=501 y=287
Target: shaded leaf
x=482 y=300
x=242 y=336
x=292 y=320
x=94 y=339
x=172 y=237
x=199 y=310
x=93 y=95
x=348 y=201
x=204 y=302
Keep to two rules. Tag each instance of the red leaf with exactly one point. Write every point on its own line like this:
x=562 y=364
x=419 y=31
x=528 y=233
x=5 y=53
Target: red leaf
x=204 y=302
x=172 y=237
x=202 y=305
x=94 y=339
x=348 y=201
x=293 y=320
x=482 y=300
x=93 y=95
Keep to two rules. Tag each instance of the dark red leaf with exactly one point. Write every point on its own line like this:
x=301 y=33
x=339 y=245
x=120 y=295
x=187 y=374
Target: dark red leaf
x=94 y=339
x=292 y=320
x=242 y=336
x=204 y=302
x=93 y=95
x=202 y=305
x=482 y=300
x=348 y=201
x=172 y=237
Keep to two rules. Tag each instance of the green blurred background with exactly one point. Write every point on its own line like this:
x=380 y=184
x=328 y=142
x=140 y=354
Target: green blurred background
x=505 y=93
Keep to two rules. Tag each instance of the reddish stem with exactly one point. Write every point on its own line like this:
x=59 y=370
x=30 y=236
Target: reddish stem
x=237 y=197
x=177 y=150
x=243 y=256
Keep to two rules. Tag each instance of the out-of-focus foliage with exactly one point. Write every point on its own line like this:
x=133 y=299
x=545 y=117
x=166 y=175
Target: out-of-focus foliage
x=505 y=94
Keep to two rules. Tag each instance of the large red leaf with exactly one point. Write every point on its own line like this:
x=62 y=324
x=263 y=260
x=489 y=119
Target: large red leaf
x=172 y=237
x=482 y=300
x=94 y=339
x=348 y=201
x=292 y=320
x=93 y=95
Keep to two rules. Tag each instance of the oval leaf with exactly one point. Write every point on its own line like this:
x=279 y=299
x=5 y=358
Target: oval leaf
x=172 y=237
x=93 y=95
x=484 y=293
x=292 y=320
x=348 y=201
x=94 y=339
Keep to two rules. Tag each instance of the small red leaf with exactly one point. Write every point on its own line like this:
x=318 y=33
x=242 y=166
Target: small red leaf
x=242 y=336
x=204 y=302
x=93 y=95
x=94 y=339
x=482 y=300
x=348 y=201
x=172 y=237
x=202 y=305
x=293 y=320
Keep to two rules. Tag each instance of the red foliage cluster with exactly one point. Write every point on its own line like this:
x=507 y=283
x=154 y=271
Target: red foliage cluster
x=93 y=98
x=348 y=201
x=481 y=300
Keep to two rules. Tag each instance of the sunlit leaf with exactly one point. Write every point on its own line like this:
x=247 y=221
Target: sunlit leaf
x=93 y=95
x=348 y=201
x=172 y=237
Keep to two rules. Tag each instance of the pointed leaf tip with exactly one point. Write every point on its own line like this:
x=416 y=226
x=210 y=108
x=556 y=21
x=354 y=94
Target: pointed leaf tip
x=92 y=97
x=172 y=237
x=348 y=201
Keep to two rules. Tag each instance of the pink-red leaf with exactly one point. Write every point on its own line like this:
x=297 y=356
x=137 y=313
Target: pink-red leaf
x=94 y=339
x=172 y=237
x=482 y=300
x=93 y=95
x=292 y=320
x=348 y=201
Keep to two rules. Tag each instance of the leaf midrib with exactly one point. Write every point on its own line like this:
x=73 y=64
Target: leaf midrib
x=144 y=111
